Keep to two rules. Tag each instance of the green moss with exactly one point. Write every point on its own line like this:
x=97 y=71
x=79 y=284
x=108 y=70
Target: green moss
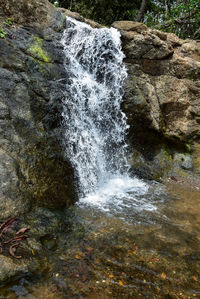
x=188 y=147
x=37 y=51
x=166 y=154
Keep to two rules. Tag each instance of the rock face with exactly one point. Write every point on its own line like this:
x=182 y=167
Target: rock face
x=33 y=167
x=162 y=98
x=161 y=101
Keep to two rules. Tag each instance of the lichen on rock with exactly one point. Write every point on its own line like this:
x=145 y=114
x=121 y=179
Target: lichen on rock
x=37 y=51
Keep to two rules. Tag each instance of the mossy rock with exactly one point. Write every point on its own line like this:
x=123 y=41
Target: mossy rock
x=156 y=158
x=46 y=177
x=37 y=51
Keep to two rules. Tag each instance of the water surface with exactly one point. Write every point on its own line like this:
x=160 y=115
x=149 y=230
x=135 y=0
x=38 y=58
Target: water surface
x=125 y=252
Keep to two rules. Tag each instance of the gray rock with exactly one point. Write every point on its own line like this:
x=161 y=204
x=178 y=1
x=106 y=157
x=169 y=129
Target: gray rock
x=34 y=168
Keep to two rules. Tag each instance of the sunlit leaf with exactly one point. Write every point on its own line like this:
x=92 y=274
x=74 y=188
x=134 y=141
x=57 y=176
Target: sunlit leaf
x=194 y=278
x=163 y=275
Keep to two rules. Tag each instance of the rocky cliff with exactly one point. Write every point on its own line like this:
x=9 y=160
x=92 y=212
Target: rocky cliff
x=34 y=169
x=162 y=98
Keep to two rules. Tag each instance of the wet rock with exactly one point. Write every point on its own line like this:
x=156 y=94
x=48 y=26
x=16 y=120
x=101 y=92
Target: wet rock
x=45 y=222
x=45 y=230
x=49 y=242
x=11 y=268
x=34 y=168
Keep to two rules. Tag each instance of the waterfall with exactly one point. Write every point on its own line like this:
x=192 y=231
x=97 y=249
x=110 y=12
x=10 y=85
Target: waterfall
x=95 y=126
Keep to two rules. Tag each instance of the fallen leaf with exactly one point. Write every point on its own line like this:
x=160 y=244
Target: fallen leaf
x=194 y=278
x=12 y=250
x=22 y=230
x=163 y=275
x=77 y=256
x=90 y=249
x=7 y=224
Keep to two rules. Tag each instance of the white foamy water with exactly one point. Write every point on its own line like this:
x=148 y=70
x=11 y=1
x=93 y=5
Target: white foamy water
x=95 y=126
x=119 y=193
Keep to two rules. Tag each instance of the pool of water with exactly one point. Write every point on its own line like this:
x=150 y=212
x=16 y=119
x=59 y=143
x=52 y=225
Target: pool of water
x=148 y=247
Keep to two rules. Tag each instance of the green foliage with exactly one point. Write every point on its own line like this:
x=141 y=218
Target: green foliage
x=103 y=11
x=2 y=33
x=181 y=17
x=8 y=21
x=56 y=3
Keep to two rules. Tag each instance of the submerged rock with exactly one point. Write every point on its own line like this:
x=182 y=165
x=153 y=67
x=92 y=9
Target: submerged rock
x=16 y=268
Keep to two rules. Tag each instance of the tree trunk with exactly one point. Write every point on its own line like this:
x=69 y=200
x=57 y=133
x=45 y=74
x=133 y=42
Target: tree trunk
x=141 y=11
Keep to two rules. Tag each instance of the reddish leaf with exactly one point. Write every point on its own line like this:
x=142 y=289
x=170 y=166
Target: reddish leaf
x=7 y=223
x=22 y=230
x=12 y=250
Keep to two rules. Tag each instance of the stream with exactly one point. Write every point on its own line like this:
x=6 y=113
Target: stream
x=123 y=252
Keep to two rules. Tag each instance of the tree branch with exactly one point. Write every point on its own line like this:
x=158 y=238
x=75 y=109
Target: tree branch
x=141 y=11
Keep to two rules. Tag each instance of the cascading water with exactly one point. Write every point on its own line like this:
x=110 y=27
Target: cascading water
x=94 y=124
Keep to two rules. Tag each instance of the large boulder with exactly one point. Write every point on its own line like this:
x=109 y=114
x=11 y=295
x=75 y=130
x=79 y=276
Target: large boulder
x=36 y=13
x=162 y=97
x=34 y=168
